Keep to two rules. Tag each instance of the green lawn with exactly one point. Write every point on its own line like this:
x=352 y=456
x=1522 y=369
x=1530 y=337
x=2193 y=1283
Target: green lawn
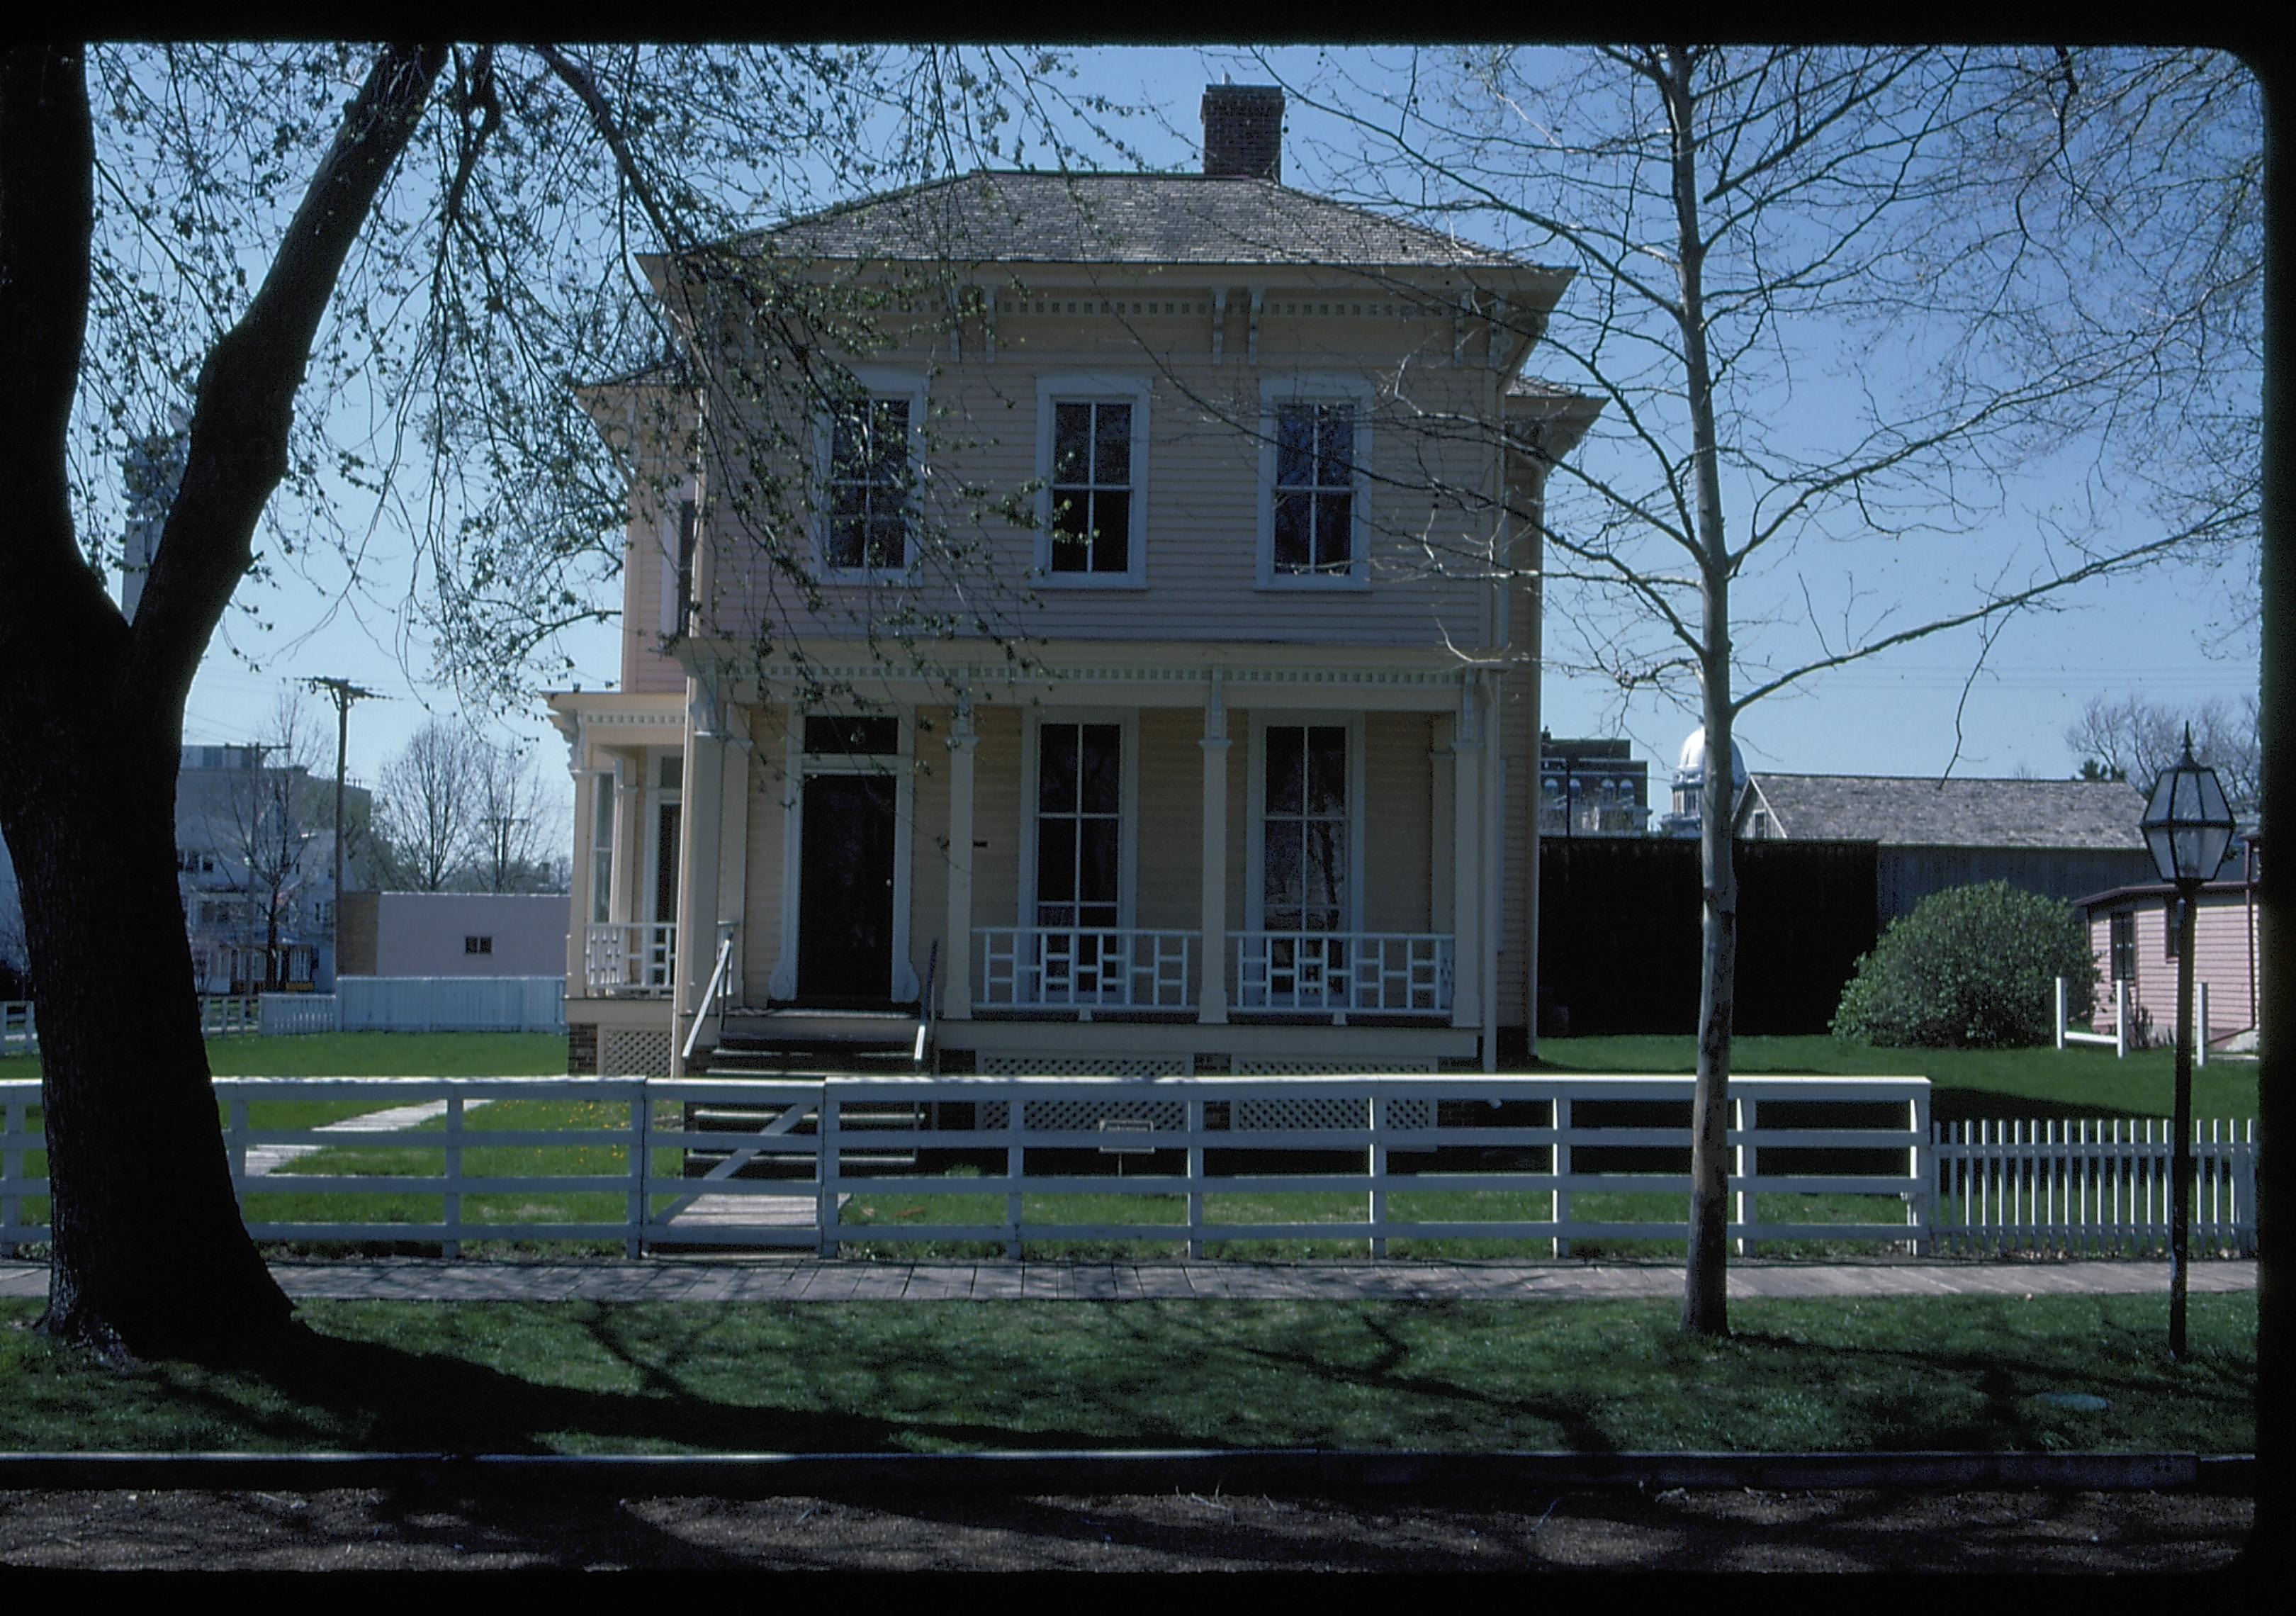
x=1588 y=1376
x=2021 y=1084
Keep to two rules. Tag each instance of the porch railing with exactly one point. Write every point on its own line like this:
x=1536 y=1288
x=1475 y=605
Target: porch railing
x=1342 y=972
x=634 y=959
x=1085 y=968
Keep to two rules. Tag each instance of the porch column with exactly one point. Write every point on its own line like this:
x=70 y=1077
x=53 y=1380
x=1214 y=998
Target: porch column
x=702 y=793
x=734 y=850
x=1211 y=947
x=587 y=783
x=629 y=838
x=956 y=951
x=1468 y=964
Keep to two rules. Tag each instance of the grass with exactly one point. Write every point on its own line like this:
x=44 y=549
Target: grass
x=1965 y=1084
x=371 y=1054
x=1588 y=1376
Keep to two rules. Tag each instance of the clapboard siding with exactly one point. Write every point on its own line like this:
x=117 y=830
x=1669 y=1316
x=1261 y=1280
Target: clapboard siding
x=1397 y=841
x=1169 y=879
x=2224 y=956
x=996 y=788
x=1202 y=515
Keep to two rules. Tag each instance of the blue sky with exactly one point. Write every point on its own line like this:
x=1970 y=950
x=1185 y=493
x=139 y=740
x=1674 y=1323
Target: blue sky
x=2162 y=636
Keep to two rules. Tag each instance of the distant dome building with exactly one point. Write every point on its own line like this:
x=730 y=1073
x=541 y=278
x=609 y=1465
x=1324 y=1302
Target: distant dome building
x=1690 y=784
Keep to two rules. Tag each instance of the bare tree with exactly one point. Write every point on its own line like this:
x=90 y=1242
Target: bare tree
x=517 y=827
x=2133 y=739
x=1755 y=227
x=427 y=805
x=264 y=818
x=437 y=242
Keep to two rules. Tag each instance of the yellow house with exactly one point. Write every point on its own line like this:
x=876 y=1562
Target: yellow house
x=1214 y=748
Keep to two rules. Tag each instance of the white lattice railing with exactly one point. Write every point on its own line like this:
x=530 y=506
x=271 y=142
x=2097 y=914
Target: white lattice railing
x=630 y=958
x=1085 y=968
x=1343 y=973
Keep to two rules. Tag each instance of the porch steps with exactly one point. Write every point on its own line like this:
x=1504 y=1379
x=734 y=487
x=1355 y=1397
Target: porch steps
x=809 y=1042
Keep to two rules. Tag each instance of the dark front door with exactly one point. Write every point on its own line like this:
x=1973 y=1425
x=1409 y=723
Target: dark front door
x=845 y=893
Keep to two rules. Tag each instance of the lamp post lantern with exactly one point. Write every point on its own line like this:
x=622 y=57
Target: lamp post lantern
x=2188 y=826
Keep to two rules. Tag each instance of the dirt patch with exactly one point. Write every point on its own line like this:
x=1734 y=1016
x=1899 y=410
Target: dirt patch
x=1677 y=1531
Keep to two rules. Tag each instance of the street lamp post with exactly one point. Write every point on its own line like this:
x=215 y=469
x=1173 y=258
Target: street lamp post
x=2187 y=824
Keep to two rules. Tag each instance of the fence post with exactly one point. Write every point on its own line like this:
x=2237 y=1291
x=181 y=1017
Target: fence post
x=1561 y=1109
x=1196 y=1176
x=2061 y=1013
x=1378 y=1164
x=1743 y=1112
x=1921 y=1162
x=641 y=1165
x=450 y=1245
x=2200 y=1025
x=1015 y=1161
x=2120 y=1019
x=826 y=1133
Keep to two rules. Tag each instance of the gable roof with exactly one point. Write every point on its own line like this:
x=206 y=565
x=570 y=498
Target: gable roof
x=1901 y=811
x=1010 y=216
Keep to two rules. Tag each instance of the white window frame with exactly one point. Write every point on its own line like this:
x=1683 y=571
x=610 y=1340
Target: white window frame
x=875 y=382
x=1275 y=392
x=1092 y=387
x=1255 y=851
x=1127 y=800
x=657 y=797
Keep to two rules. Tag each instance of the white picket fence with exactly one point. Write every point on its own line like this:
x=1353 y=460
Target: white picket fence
x=288 y=1015
x=1208 y=1154
x=219 y=1015
x=2091 y=1186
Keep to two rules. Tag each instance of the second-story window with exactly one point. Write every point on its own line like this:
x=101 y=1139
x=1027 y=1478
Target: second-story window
x=1092 y=487
x=868 y=492
x=1315 y=488
x=1092 y=465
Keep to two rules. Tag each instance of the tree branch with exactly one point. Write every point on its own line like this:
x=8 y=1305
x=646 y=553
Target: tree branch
x=246 y=400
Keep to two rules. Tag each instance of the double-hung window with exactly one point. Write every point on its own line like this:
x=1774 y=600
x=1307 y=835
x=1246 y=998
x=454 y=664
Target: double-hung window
x=1304 y=828
x=869 y=477
x=1080 y=817
x=1092 y=460
x=1314 y=499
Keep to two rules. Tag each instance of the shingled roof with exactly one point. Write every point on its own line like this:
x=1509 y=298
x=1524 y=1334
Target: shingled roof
x=1122 y=218
x=1921 y=812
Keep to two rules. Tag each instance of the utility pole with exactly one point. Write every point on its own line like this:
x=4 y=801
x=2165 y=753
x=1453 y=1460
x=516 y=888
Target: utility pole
x=343 y=693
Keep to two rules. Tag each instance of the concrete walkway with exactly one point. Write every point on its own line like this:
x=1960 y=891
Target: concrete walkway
x=809 y=1279
x=265 y=1159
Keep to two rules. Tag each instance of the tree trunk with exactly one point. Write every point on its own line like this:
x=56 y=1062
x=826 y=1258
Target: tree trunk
x=1705 y=1301
x=151 y=1255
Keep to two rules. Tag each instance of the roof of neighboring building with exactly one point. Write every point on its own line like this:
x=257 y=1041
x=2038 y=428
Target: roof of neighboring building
x=1898 y=811
x=1123 y=218
x=2161 y=890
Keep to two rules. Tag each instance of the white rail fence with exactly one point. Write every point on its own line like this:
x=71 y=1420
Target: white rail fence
x=1009 y=1158
x=2125 y=1034
x=2091 y=1186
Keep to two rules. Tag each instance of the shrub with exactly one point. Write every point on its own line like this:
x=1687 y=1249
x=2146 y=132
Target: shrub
x=1971 y=967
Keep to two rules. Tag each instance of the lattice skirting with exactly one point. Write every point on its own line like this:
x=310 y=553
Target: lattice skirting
x=1081 y=1066
x=1252 y=1066
x=625 y=1052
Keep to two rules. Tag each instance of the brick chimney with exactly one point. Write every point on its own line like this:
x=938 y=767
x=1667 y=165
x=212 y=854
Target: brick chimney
x=1244 y=131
